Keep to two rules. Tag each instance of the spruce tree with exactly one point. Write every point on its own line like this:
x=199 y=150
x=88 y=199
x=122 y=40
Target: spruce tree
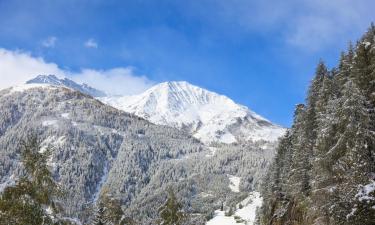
x=31 y=200
x=171 y=212
x=336 y=131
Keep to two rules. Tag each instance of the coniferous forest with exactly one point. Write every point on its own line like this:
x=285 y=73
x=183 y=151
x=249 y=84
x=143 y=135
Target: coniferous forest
x=324 y=168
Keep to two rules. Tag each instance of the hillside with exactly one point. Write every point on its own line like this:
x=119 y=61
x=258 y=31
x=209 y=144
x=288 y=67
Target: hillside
x=96 y=147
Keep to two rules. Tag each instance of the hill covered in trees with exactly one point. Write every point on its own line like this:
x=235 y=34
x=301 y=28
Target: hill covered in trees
x=324 y=168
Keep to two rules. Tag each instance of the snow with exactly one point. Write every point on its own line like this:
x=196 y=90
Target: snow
x=67 y=83
x=25 y=87
x=365 y=191
x=246 y=215
x=221 y=219
x=351 y=213
x=9 y=182
x=65 y=115
x=101 y=182
x=52 y=141
x=248 y=212
x=227 y=138
x=234 y=184
x=47 y=123
x=209 y=116
x=205 y=195
x=212 y=151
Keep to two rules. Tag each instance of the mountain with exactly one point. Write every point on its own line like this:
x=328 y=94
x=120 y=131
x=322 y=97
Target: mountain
x=97 y=148
x=208 y=116
x=53 y=80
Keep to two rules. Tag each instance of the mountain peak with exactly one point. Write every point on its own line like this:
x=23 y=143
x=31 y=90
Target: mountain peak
x=45 y=79
x=65 y=82
x=209 y=116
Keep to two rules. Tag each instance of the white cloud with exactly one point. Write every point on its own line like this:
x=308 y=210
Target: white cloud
x=118 y=81
x=16 y=67
x=91 y=43
x=322 y=23
x=49 y=42
x=308 y=24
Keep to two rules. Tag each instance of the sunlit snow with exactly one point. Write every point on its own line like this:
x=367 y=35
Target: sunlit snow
x=47 y=123
x=209 y=116
x=234 y=184
x=246 y=215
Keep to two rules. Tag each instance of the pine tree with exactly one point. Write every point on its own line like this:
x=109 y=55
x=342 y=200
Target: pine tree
x=336 y=132
x=299 y=178
x=109 y=211
x=171 y=212
x=364 y=64
x=350 y=157
x=276 y=181
x=27 y=201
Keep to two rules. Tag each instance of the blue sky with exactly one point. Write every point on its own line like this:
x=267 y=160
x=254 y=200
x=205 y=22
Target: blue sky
x=259 y=53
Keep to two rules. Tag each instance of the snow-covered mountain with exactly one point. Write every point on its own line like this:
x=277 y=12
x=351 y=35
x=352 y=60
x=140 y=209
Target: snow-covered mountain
x=209 y=116
x=53 y=80
x=97 y=148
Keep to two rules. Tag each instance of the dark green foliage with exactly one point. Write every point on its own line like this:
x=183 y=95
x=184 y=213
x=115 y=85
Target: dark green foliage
x=109 y=211
x=323 y=169
x=26 y=202
x=171 y=213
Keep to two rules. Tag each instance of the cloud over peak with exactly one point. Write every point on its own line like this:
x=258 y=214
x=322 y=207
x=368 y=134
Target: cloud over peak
x=16 y=67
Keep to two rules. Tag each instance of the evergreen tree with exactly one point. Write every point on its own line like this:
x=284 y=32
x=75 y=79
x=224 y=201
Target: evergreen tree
x=32 y=200
x=332 y=149
x=171 y=213
x=364 y=64
x=350 y=158
x=109 y=211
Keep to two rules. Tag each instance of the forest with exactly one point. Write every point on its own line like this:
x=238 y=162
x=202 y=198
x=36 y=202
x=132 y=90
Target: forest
x=324 y=168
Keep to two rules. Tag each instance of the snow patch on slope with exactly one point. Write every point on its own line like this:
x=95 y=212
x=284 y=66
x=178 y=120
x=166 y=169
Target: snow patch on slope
x=101 y=182
x=47 y=123
x=9 y=182
x=245 y=215
x=364 y=193
x=234 y=184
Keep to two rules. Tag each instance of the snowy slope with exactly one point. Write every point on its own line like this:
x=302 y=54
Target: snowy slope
x=209 y=116
x=245 y=215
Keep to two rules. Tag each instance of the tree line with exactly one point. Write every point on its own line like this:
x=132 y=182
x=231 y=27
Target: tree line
x=324 y=168
x=34 y=198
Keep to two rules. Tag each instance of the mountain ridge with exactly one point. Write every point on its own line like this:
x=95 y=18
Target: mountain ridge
x=54 y=80
x=209 y=116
